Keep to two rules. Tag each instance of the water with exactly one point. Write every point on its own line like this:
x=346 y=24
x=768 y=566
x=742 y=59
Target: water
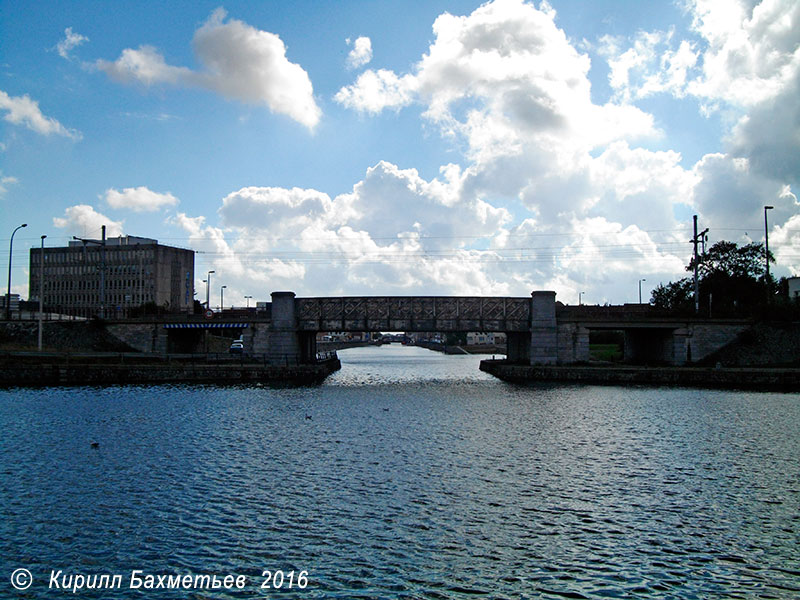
x=407 y=474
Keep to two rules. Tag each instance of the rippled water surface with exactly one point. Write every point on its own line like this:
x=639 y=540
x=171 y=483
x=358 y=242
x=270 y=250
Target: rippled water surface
x=407 y=474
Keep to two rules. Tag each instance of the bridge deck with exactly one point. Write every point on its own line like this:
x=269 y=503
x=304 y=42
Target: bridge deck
x=420 y=313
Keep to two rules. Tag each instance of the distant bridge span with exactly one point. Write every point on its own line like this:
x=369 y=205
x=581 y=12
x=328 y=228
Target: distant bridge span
x=414 y=314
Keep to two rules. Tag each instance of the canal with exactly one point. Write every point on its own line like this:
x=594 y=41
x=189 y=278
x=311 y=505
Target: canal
x=407 y=474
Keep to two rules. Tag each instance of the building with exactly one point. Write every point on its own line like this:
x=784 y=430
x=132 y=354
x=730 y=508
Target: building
x=14 y=301
x=116 y=277
x=794 y=288
x=478 y=338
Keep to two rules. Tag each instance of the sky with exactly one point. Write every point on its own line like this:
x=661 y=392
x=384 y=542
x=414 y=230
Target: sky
x=404 y=148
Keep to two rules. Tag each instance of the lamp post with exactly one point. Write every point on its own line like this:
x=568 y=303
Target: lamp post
x=208 y=286
x=766 y=245
x=10 y=249
x=247 y=298
x=41 y=291
x=640 y=289
x=221 y=296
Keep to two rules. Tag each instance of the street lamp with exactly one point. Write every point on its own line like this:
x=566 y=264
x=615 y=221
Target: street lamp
x=10 y=248
x=221 y=296
x=208 y=286
x=41 y=291
x=640 y=289
x=248 y=300
x=766 y=244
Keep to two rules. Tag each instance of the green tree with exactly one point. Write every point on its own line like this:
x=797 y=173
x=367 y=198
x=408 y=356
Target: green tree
x=728 y=258
x=731 y=281
x=675 y=295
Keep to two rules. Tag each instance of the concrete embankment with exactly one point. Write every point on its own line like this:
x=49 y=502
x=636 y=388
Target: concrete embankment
x=755 y=378
x=99 y=369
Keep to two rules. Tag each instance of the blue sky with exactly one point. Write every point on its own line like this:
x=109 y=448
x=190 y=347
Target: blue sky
x=404 y=147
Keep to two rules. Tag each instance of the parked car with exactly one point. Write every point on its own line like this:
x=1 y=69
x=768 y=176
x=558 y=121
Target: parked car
x=237 y=347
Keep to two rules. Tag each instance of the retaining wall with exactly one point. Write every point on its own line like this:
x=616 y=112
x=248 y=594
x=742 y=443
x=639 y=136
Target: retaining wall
x=744 y=378
x=65 y=373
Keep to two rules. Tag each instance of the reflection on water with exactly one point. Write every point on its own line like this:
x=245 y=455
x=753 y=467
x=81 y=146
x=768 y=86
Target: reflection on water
x=408 y=474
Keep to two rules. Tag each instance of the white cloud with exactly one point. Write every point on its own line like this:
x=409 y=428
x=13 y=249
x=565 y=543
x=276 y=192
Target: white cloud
x=276 y=213
x=553 y=191
x=503 y=77
x=22 y=110
x=769 y=136
x=6 y=180
x=507 y=81
x=784 y=244
x=375 y=91
x=139 y=199
x=749 y=53
x=442 y=237
x=361 y=54
x=753 y=49
x=240 y=63
x=651 y=66
x=71 y=40
x=145 y=66
x=637 y=186
x=84 y=221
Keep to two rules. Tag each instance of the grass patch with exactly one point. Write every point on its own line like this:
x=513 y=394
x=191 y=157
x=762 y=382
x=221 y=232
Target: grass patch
x=605 y=352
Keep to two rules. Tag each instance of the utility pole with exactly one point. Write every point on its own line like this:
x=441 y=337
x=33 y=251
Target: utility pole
x=766 y=249
x=698 y=238
x=41 y=291
x=102 y=244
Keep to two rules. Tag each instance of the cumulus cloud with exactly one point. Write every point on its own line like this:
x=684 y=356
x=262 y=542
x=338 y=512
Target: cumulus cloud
x=442 y=239
x=84 y=221
x=361 y=54
x=71 y=40
x=22 y=110
x=505 y=68
x=240 y=62
x=276 y=212
x=146 y=66
x=747 y=54
x=553 y=189
x=139 y=199
x=784 y=243
x=6 y=180
x=507 y=81
x=752 y=49
x=655 y=63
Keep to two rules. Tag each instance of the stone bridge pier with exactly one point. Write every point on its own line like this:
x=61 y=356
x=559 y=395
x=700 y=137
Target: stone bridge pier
x=285 y=343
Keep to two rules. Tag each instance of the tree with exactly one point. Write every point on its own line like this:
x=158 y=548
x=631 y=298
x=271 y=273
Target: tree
x=676 y=295
x=732 y=260
x=731 y=282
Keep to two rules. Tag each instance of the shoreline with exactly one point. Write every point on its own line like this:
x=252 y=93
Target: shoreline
x=751 y=378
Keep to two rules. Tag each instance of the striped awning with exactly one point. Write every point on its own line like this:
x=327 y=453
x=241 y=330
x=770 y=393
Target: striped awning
x=205 y=325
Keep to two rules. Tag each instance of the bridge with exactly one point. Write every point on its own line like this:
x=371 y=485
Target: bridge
x=539 y=330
